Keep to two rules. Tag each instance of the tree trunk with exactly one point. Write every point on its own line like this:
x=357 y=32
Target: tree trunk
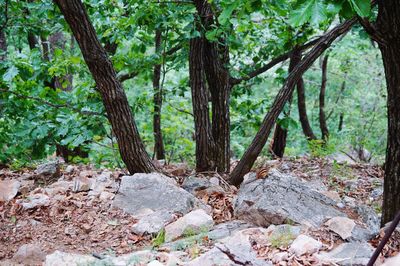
x=388 y=24
x=204 y=141
x=157 y=99
x=340 y=126
x=216 y=57
x=301 y=105
x=322 y=119
x=114 y=98
x=3 y=46
x=280 y=134
x=251 y=154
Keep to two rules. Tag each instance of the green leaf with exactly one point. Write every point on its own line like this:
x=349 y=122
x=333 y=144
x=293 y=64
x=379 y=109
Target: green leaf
x=313 y=11
x=226 y=14
x=10 y=74
x=361 y=7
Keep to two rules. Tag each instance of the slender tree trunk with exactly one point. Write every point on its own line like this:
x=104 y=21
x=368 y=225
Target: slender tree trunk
x=322 y=119
x=340 y=127
x=251 y=154
x=388 y=24
x=301 y=105
x=119 y=113
x=3 y=46
x=280 y=134
x=157 y=99
x=204 y=140
x=216 y=57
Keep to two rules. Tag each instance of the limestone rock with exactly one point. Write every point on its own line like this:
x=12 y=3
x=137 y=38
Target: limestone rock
x=8 y=189
x=156 y=192
x=50 y=170
x=194 y=222
x=394 y=261
x=82 y=184
x=193 y=184
x=152 y=223
x=227 y=229
x=304 y=245
x=29 y=254
x=69 y=169
x=59 y=258
x=282 y=235
x=280 y=198
x=342 y=226
x=35 y=200
x=348 y=254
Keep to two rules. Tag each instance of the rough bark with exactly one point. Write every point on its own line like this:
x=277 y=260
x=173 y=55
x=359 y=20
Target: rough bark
x=157 y=100
x=340 y=126
x=388 y=25
x=114 y=98
x=216 y=56
x=280 y=134
x=3 y=46
x=261 y=137
x=322 y=119
x=203 y=137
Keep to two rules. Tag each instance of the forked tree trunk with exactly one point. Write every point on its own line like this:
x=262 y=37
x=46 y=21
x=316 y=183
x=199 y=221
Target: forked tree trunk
x=322 y=120
x=301 y=105
x=258 y=143
x=157 y=100
x=388 y=24
x=204 y=141
x=280 y=134
x=114 y=98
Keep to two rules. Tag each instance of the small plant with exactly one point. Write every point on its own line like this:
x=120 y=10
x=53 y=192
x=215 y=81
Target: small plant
x=282 y=239
x=159 y=239
x=321 y=148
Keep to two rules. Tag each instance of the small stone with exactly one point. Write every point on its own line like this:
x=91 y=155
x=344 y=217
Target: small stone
x=351 y=202
x=332 y=195
x=106 y=196
x=69 y=169
x=394 y=261
x=304 y=244
x=152 y=223
x=50 y=170
x=193 y=222
x=8 y=189
x=193 y=184
x=87 y=173
x=29 y=254
x=340 y=205
x=81 y=184
x=155 y=263
x=342 y=226
x=280 y=256
x=36 y=200
x=214 y=181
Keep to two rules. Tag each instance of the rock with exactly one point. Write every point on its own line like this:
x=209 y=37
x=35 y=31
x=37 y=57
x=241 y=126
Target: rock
x=348 y=254
x=394 y=261
x=101 y=182
x=342 y=226
x=34 y=201
x=192 y=223
x=82 y=184
x=156 y=192
x=59 y=258
x=280 y=256
x=341 y=158
x=282 y=235
x=152 y=223
x=351 y=184
x=248 y=178
x=214 y=181
x=59 y=187
x=8 y=189
x=281 y=198
x=106 y=196
x=333 y=195
x=50 y=170
x=369 y=218
x=234 y=250
x=69 y=169
x=193 y=184
x=304 y=245
x=178 y=169
x=376 y=193
x=155 y=263
x=87 y=173
x=226 y=229
x=29 y=254
x=26 y=186
x=349 y=201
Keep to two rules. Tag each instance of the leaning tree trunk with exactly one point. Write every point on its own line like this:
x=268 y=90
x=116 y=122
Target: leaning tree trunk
x=322 y=120
x=251 y=154
x=3 y=46
x=114 y=98
x=388 y=24
x=159 y=150
x=280 y=134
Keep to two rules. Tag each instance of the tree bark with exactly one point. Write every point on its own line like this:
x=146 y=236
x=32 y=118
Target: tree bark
x=204 y=140
x=157 y=99
x=114 y=98
x=261 y=137
x=3 y=46
x=388 y=24
x=340 y=126
x=280 y=134
x=322 y=120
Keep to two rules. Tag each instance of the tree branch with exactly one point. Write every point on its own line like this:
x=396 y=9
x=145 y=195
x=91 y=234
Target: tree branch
x=372 y=31
x=272 y=63
x=66 y=105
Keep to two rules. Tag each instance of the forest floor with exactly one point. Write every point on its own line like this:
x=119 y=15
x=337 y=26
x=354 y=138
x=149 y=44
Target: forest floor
x=72 y=219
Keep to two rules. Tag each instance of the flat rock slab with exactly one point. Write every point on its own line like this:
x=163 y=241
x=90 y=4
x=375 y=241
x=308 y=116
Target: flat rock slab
x=282 y=198
x=349 y=254
x=156 y=192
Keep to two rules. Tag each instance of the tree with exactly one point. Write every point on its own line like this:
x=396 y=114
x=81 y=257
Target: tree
x=322 y=118
x=252 y=152
x=114 y=98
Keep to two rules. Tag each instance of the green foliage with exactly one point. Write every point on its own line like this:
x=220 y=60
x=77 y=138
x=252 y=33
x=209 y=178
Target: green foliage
x=321 y=148
x=159 y=239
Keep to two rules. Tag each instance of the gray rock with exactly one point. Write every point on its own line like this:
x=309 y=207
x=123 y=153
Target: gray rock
x=304 y=244
x=341 y=158
x=348 y=254
x=35 y=200
x=369 y=218
x=59 y=258
x=8 y=189
x=192 y=223
x=282 y=235
x=227 y=229
x=70 y=169
x=281 y=198
x=193 y=184
x=342 y=226
x=152 y=223
x=156 y=192
x=49 y=170
x=376 y=193
x=29 y=254
x=394 y=261
x=214 y=181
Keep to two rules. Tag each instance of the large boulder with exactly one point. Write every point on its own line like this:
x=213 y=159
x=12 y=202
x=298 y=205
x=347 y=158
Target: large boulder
x=156 y=192
x=281 y=198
